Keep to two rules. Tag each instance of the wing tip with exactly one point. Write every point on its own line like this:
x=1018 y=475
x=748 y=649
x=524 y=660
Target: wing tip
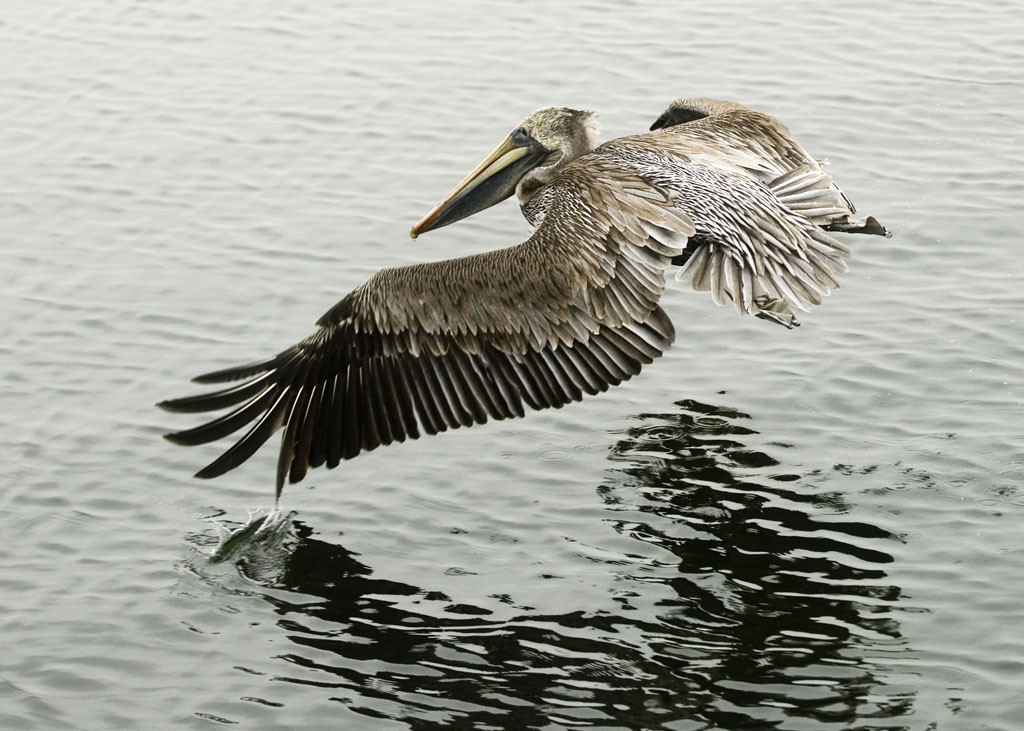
x=175 y=438
x=177 y=405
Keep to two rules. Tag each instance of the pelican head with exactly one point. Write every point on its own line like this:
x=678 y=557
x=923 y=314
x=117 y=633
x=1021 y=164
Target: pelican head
x=529 y=157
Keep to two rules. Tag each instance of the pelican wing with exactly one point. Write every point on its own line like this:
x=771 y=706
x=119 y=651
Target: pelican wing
x=752 y=249
x=424 y=348
x=746 y=137
x=730 y=134
x=749 y=246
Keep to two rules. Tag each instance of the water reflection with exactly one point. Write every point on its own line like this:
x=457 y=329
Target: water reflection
x=780 y=599
x=778 y=614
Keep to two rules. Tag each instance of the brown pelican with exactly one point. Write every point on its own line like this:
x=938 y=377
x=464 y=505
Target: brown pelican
x=723 y=190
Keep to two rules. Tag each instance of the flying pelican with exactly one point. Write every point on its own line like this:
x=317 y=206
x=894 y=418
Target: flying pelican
x=722 y=190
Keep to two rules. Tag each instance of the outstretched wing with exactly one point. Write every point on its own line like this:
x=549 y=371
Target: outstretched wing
x=424 y=348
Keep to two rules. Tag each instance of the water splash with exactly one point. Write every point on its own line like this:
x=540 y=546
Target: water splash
x=263 y=532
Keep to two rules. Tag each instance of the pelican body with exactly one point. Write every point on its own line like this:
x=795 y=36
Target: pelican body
x=721 y=192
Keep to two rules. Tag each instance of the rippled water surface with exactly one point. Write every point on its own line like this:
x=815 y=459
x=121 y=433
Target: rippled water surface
x=769 y=529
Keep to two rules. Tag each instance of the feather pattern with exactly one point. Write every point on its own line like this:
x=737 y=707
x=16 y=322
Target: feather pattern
x=442 y=345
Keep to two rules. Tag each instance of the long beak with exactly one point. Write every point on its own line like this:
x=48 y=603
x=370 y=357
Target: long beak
x=491 y=182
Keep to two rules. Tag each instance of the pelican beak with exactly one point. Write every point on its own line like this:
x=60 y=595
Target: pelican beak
x=491 y=182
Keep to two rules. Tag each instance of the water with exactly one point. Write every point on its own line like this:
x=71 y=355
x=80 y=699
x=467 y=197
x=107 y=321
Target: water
x=816 y=529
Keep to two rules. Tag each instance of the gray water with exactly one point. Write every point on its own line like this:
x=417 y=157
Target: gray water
x=815 y=529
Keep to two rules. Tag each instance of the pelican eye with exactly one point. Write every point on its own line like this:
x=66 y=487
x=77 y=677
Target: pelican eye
x=521 y=136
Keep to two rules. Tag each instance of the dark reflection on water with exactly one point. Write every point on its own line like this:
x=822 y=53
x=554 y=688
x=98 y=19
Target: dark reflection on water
x=779 y=598
x=779 y=614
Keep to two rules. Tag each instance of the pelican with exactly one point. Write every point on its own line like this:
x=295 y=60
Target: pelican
x=722 y=192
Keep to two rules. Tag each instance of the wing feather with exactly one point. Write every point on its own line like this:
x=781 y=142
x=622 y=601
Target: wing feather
x=749 y=242
x=797 y=199
x=424 y=348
